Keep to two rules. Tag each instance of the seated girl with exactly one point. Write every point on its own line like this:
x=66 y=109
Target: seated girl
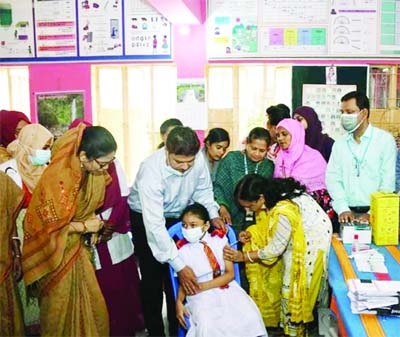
x=221 y=307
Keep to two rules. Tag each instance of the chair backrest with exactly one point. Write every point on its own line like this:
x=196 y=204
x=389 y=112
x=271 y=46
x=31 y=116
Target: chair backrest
x=175 y=232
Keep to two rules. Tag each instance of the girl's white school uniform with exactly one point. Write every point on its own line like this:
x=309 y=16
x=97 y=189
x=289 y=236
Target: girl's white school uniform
x=218 y=312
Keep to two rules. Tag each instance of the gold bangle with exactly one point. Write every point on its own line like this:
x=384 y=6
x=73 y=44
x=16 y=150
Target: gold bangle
x=85 y=229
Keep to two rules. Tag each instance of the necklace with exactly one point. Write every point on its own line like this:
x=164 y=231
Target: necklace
x=246 y=169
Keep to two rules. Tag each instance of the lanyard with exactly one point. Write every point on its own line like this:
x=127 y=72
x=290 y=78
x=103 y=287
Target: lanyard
x=359 y=161
x=246 y=169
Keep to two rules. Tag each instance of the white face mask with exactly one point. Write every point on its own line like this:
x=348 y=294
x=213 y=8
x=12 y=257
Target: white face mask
x=193 y=234
x=350 y=122
x=41 y=157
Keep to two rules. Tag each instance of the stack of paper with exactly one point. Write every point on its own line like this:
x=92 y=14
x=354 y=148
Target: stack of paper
x=370 y=260
x=374 y=297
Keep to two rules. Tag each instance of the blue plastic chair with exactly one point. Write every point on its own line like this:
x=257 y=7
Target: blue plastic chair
x=175 y=232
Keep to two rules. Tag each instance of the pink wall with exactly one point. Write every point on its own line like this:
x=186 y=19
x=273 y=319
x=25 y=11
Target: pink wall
x=61 y=77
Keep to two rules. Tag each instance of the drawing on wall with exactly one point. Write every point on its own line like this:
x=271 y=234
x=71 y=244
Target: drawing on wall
x=56 y=110
x=191 y=106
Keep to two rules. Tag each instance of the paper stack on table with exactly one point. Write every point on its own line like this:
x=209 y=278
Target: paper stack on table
x=374 y=297
x=370 y=260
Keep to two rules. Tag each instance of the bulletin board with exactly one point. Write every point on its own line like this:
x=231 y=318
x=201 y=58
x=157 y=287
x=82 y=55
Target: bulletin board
x=310 y=87
x=76 y=30
x=303 y=28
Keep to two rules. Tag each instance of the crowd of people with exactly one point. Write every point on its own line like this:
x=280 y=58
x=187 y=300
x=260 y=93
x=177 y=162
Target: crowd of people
x=84 y=254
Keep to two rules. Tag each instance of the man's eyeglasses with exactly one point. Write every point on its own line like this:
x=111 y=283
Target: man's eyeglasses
x=103 y=164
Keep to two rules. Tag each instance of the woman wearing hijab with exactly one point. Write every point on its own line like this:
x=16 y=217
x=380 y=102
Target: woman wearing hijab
x=301 y=162
x=11 y=123
x=30 y=154
x=313 y=127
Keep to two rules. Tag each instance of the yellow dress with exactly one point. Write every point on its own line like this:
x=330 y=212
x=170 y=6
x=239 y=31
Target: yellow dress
x=265 y=280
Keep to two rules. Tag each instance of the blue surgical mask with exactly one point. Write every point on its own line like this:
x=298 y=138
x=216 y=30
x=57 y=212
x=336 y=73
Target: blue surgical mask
x=350 y=122
x=41 y=157
x=193 y=235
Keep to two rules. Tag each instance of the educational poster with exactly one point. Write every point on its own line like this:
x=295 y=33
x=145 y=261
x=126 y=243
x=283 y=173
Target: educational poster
x=100 y=27
x=55 y=23
x=16 y=29
x=354 y=27
x=57 y=110
x=191 y=106
x=292 y=27
x=390 y=28
x=232 y=28
x=325 y=99
x=303 y=28
x=146 y=31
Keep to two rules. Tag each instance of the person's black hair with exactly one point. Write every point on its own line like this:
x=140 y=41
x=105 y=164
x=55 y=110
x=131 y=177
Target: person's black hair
x=182 y=140
x=196 y=209
x=171 y=122
x=362 y=101
x=217 y=135
x=168 y=123
x=97 y=142
x=277 y=112
x=251 y=186
x=259 y=133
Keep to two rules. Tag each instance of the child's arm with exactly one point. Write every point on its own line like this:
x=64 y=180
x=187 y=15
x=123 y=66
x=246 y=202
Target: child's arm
x=220 y=280
x=181 y=311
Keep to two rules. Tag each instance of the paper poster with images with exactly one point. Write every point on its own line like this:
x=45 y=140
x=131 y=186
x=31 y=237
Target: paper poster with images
x=55 y=28
x=325 y=100
x=100 y=27
x=147 y=32
x=191 y=105
x=16 y=29
x=56 y=110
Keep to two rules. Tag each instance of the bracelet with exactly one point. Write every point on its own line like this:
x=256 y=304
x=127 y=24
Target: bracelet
x=16 y=238
x=85 y=229
x=248 y=256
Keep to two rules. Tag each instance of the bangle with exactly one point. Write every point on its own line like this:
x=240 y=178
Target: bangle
x=16 y=238
x=85 y=229
x=248 y=256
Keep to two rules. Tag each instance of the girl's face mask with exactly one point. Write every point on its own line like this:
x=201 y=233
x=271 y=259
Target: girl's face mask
x=41 y=157
x=193 y=234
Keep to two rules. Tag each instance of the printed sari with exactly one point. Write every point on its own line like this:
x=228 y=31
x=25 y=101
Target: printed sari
x=57 y=265
x=11 y=322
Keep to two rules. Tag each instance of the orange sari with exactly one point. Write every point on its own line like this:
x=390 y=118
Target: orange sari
x=56 y=263
x=11 y=322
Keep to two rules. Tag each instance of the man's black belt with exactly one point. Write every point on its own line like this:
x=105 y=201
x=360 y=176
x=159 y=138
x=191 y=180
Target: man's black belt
x=359 y=209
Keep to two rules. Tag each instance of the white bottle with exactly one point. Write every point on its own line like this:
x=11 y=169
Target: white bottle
x=355 y=246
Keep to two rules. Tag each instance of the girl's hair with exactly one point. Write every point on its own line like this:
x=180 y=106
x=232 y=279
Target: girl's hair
x=168 y=123
x=217 y=135
x=277 y=112
x=182 y=140
x=259 y=133
x=97 y=142
x=196 y=209
x=251 y=186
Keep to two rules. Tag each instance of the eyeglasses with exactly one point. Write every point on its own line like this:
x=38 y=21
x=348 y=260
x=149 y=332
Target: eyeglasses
x=103 y=164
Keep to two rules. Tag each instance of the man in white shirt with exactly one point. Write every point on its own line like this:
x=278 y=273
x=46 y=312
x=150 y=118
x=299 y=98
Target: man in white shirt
x=167 y=181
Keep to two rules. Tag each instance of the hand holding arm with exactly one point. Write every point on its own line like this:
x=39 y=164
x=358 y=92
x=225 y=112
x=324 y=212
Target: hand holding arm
x=225 y=215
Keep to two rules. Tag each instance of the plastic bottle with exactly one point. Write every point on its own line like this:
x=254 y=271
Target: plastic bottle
x=355 y=247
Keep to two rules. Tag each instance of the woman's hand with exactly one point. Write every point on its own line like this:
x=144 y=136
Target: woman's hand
x=233 y=255
x=181 y=312
x=224 y=214
x=93 y=224
x=244 y=237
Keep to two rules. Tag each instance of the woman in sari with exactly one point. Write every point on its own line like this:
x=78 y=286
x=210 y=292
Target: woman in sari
x=11 y=322
x=30 y=154
x=11 y=123
x=56 y=262
x=299 y=232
